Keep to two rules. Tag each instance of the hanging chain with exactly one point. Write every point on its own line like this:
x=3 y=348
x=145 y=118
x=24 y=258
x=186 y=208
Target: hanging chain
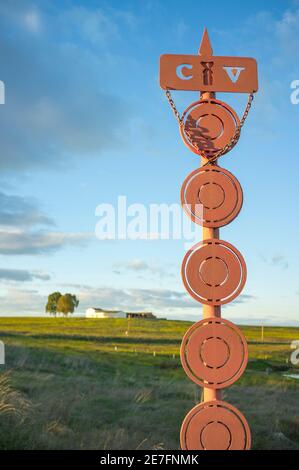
x=228 y=146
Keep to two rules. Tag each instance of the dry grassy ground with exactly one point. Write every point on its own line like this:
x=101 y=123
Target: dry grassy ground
x=96 y=384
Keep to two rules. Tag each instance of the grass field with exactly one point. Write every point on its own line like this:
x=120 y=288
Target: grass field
x=118 y=384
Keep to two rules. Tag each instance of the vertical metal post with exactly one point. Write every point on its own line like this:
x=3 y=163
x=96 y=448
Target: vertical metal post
x=210 y=310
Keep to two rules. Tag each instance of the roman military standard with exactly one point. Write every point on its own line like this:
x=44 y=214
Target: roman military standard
x=214 y=351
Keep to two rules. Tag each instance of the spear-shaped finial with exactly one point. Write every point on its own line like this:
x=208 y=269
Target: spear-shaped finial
x=205 y=47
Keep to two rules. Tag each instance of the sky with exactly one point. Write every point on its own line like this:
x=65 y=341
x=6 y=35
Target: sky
x=85 y=121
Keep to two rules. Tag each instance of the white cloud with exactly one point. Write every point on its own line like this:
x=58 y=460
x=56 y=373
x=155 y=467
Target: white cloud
x=22 y=275
x=136 y=265
x=20 y=233
x=276 y=260
x=156 y=300
x=19 y=242
x=132 y=299
x=89 y=24
x=66 y=104
x=18 y=211
x=168 y=303
x=16 y=301
x=143 y=267
x=32 y=21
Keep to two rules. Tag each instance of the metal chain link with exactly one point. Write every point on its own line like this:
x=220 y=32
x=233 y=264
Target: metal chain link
x=228 y=146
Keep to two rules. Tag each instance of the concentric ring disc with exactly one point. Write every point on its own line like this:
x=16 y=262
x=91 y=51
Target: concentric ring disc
x=215 y=425
x=211 y=196
x=214 y=353
x=211 y=125
x=214 y=272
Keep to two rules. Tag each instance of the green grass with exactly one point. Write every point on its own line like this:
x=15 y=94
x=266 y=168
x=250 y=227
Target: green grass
x=118 y=384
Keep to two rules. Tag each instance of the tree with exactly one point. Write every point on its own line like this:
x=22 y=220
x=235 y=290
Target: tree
x=67 y=303
x=51 y=305
x=74 y=300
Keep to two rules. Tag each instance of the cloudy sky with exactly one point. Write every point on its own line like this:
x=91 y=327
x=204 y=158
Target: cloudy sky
x=85 y=121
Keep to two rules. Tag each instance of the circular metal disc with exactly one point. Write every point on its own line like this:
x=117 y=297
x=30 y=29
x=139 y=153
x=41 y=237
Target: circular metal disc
x=211 y=196
x=214 y=353
x=211 y=124
x=215 y=425
x=214 y=272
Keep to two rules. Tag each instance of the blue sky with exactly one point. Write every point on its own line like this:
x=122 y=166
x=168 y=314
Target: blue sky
x=85 y=121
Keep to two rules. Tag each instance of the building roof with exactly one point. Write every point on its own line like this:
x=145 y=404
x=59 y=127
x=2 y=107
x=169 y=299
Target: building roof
x=104 y=310
x=97 y=309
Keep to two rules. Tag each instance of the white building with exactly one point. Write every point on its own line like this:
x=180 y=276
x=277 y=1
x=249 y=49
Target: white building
x=94 y=312
x=102 y=313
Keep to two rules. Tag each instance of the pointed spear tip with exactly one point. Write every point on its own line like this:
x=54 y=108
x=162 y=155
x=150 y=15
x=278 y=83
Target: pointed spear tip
x=205 y=47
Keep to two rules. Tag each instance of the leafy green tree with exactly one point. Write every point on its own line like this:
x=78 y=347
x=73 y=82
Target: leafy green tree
x=74 y=300
x=67 y=304
x=51 y=305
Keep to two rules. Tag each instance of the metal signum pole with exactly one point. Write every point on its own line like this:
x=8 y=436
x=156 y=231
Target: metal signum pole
x=214 y=351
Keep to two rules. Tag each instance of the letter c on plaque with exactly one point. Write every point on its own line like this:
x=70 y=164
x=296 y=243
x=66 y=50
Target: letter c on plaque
x=183 y=71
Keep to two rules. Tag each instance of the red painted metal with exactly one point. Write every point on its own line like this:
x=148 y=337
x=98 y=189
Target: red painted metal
x=206 y=72
x=187 y=72
x=210 y=125
x=215 y=425
x=214 y=353
x=211 y=196
x=214 y=272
